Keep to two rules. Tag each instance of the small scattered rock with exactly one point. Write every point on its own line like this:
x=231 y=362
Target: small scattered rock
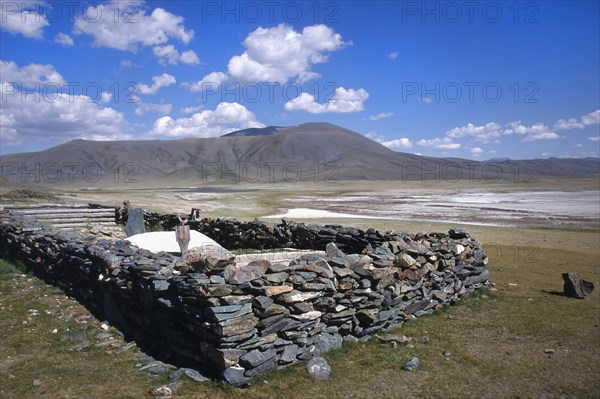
x=157 y=368
x=549 y=351
x=392 y=338
x=162 y=391
x=167 y=390
x=195 y=375
x=424 y=339
x=412 y=364
x=318 y=368
x=37 y=383
x=104 y=327
x=447 y=354
x=125 y=348
x=103 y=344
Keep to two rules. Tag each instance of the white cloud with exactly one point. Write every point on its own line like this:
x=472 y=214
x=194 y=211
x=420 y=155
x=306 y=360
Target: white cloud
x=127 y=64
x=476 y=151
x=280 y=53
x=594 y=138
x=105 y=97
x=578 y=145
x=541 y=136
x=593 y=118
x=535 y=132
x=227 y=117
x=491 y=131
x=64 y=39
x=170 y=55
x=132 y=27
x=161 y=109
x=191 y=110
x=23 y=117
x=398 y=143
x=381 y=115
x=343 y=101
x=158 y=82
x=25 y=18
x=213 y=80
x=443 y=143
x=568 y=124
x=393 y=55
x=189 y=57
x=166 y=54
x=483 y=133
x=391 y=144
x=425 y=100
x=9 y=137
x=29 y=74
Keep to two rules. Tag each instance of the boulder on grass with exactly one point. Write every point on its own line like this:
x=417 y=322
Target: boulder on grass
x=575 y=287
x=318 y=368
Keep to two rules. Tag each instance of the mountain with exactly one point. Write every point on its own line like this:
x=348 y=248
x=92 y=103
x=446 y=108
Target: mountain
x=256 y=131
x=311 y=151
x=498 y=160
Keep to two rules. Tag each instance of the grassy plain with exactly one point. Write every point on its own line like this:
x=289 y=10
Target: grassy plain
x=497 y=338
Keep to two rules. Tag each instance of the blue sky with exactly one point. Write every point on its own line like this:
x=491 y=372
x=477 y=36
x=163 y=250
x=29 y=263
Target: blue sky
x=476 y=80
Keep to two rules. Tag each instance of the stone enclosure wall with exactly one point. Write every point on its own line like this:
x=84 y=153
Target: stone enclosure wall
x=237 y=318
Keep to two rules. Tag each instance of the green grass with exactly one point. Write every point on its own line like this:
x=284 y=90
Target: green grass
x=7 y=267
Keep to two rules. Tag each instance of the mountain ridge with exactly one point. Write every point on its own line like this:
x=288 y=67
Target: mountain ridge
x=277 y=153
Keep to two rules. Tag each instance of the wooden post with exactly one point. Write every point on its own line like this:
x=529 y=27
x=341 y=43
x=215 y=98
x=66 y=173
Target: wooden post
x=182 y=234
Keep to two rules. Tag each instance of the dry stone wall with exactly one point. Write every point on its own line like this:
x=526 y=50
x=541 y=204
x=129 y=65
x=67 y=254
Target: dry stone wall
x=237 y=320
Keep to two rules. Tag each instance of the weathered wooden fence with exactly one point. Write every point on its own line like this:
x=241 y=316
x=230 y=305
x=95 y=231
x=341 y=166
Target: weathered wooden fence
x=67 y=216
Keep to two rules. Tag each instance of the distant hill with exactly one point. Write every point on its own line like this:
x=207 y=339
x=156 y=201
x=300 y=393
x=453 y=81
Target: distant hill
x=311 y=151
x=257 y=131
x=498 y=160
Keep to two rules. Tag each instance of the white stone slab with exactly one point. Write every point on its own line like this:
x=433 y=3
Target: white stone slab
x=165 y=241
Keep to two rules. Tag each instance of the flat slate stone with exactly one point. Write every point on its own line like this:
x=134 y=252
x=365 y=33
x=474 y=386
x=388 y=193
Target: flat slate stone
x=220 y=313
x=234 y=375
x=289 y=354
x=256 y=357
x=240 y=273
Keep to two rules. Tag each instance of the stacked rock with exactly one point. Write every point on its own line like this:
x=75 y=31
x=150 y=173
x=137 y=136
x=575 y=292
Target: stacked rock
x=239 y=319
